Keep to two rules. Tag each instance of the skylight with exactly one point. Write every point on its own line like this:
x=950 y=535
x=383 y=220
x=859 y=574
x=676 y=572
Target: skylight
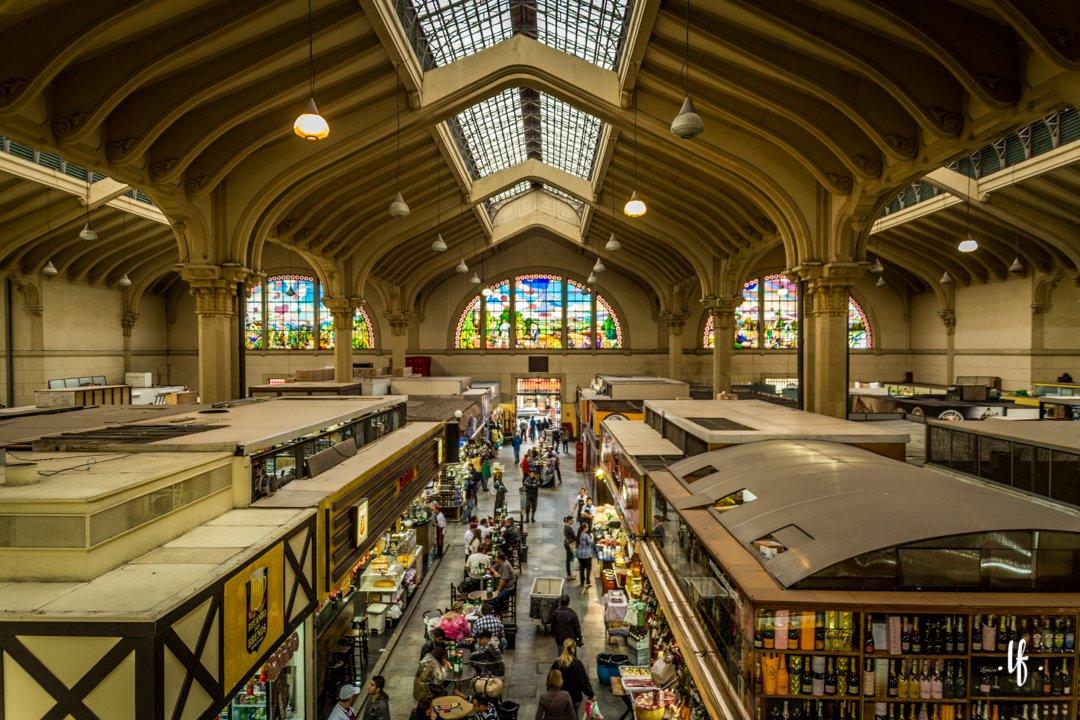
x=525 y=186
x=443 y=31
x=520 y=123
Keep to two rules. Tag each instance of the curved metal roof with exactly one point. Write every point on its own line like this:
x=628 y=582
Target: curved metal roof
x=847 y=501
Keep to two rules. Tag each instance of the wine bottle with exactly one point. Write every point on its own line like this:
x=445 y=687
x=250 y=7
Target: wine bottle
x=916 y=637
x=948 y=688
x=782 y=678
x=1056 y=685
x=869 y=680
x=937 y=690
x=818 y=682
x=768 y=636
x=989 y=634
x=830 y=677
x=976 y=634
x=1070 y=635
x=1002 y=635
x=819 y=631
x=784 y=715
x=984 y=681
x=759 y=631
x=1059 y=635
x=894 y=683
x=924 y=681
x=868 y=643
x=905 y=636
x=961 y=634
x=793 y=632
x=1044 y=671
x=902 y=680
x=1037 y=636
x=852 y=687
x=806 y=684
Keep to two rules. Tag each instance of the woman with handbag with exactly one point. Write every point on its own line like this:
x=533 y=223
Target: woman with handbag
x=554 y=703
x=575 y=676
x=586 y=551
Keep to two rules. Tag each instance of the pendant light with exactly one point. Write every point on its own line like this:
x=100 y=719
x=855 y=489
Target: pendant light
x=462 y=267
x=475 y=280
x=946 y=278
x=880 y=281
x=1017 y=267
x=599 y=266
x=635 y=206
x=87 y=233
x=439 y=245
x=310 y=125
x=124 y=280
x=591 y=280
x=398 y=206
x=613 y=244
x=969 y=244
x=49 y=270
x=687 y=124
x=877 y=268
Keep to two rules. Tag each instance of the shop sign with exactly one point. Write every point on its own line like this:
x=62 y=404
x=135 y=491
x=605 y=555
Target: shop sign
x=252 y=613
x=360 y=522
x=406 y=478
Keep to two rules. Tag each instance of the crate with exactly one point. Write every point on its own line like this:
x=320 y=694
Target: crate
x=544 y=588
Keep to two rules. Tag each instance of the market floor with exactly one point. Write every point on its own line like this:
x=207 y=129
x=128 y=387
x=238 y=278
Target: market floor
x=527 y=665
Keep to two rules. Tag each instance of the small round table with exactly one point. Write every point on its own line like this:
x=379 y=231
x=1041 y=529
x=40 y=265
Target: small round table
x=468 y=673
x=452 y=707
x=481 y=595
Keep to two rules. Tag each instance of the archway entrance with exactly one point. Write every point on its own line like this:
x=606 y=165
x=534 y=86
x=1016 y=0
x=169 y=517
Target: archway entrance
x=539 y=397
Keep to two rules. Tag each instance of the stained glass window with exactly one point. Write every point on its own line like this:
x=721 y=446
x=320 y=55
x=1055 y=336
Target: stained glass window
x=290 y=317
x=780 y=316
x=530 y=312
x=859 y=335
x=253 y=318
x=363 y=337
x=538 y=311
x=579 y=320
x=497 y=316
x=467 y=334
x=608 y=330
x=326 y=322
x=772 y=303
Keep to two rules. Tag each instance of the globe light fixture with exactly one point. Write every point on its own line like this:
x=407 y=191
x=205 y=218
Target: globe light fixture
x=49 y=270
x=635 y=206
x=486 y=292
x=613 y=244
x=439 y=245
x=398 y=206
x=462 y=267
x=968 y=244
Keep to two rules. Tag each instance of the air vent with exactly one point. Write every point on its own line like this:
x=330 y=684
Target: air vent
x=719 y=424
x=118 y=435
x=653 y=462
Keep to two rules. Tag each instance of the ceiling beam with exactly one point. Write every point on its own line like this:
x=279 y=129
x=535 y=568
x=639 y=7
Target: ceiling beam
x=531 y=169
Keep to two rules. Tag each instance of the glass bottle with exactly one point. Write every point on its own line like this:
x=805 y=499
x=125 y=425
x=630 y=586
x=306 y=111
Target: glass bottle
x=961 y=634
x=924 y=681
x=852 y=677
x=1059 y=635
x=868 y=641
x=905 y=636
x=937 y=690
x=818 y=681
x=1070 y=635
x=976 y=634
x=916 y=637
x=768 y=636
x=902 y=680
x=1002 y=635
x=782 y=679
x=869 y=679
x=894 y=682
x=830 y=677
x=819 y=631
x=1037 y=636
x=950 y=640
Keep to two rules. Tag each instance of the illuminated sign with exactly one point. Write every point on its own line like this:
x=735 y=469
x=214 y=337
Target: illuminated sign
x=360 y=522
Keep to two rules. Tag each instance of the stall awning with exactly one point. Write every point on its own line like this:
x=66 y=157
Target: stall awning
x=419 y=408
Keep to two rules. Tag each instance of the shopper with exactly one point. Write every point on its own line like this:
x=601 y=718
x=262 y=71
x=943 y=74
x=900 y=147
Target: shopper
x=428 y=681
x=553 y=459
x=565 y=624
x=579 y=502
x=586 y=551
x=500 y=492
x=565 y=442
x=532 y=495
x=438 y=637
x=424 y=711
x=470 y=498
x=503 y=571
x=343 y=707
x=379 y=701
x=440 y=530
x=555 y=703
x=569 y=544
x=588 y=510
x=515 y=442
x=575 y=676
x=532 y=429
x=485 y=470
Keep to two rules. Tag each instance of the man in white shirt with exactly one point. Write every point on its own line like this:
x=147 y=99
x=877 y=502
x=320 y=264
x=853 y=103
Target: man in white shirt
x=343 y=708
x=440 y=530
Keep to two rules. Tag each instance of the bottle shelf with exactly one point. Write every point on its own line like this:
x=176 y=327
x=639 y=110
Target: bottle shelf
x=918 y=656
x=1030 y=655
x=830 y=698
x=823 y=653
x=954 y=701
x=1022 y=698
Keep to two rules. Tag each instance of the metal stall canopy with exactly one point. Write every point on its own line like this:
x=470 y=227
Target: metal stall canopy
x=826 y=515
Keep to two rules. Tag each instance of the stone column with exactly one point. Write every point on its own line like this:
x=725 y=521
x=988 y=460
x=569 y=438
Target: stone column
x=342 y=310
x=676 y=320
x=722 y=311
x=826 y=306
x=948 y=316
x=399 y=327
x=214 y=289
x=127 y=322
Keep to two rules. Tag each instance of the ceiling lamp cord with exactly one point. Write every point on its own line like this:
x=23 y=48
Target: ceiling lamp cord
x=398 y=206
x=635 y=206
x=49 y=270
x=87 y=233
x=969 y=244
x=124 y=280
x=1017 y=267
x=613 y=244
x=310 y=125
x=687 y=123
x=439 y=245
x=877 y=268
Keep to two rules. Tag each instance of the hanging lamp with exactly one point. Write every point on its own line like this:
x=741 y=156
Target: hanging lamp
x=310 y=125
x=591 y=280
x=438 y=245
x=475 y=279
x=635 y=206
x=49 y=270
x=1017 y=267
x=613 y=244
x=124 y=280
x=969 y=244
x=946 y=278
x=398 y=206
x=599 y=266
x=880 y=281
x=462 y=267
x=877 y=268
x=87 y=233
x=687 y=124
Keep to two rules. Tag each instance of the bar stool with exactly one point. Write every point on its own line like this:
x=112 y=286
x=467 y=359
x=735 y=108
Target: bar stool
x=337 y=674
x=343 y=653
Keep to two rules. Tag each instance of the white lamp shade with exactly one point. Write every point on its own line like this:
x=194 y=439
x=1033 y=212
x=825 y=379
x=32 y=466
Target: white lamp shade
x=880 y=281
x=87 y=233
x=475 y=279
x=877 y=268
x=439 y=245
x=1017 y=267
x=124 y=281
x=591 y=279
x=613 y=244
x=49 y=270
x=462 y=267
x=946 y=278
x=398 y=206
x=635 y=206
x=457 y=414
x=310 y=125
x=599 y=266
x=687 y=123
x=968 y=244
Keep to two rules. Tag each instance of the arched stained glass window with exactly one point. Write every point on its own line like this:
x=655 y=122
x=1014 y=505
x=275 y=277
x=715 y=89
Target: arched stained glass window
x=276 y=319
x=768 y=318
x=497 y=307
x=541 y=312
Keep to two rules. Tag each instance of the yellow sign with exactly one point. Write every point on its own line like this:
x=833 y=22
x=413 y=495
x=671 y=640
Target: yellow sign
x=253 y=613
x=361 y=522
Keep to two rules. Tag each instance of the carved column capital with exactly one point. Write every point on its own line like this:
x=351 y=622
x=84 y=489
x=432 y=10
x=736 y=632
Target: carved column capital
x=948 y=317
x=342 y=310
x=214 y=300
x=399 y=322
x=676 y=321
x=214 y=286
x=722 y=309
x=128 y=320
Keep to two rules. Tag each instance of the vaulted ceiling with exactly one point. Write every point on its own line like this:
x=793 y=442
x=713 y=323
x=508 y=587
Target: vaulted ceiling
x=816 y=113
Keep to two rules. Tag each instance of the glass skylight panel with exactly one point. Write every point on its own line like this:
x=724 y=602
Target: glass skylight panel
x=522 y=187
x=443 y=31
x=568 y=136
x=493 y=132
x=562 y=195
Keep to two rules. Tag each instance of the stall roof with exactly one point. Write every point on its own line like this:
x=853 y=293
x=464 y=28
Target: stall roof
x=641 y=442
x=1056 y=434
x=37 y=422
x=742 y=421
x=309 y=492
x=151 y=585
x=441 y=409
x=244 y=428
x=617 y=406
x=629 y=379
x=828 y=502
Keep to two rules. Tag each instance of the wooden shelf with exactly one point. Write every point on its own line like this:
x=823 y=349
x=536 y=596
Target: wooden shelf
x=1030 y=655
x=956 y=701
x=827 y=653
x=914 y=656
x=1022 y=698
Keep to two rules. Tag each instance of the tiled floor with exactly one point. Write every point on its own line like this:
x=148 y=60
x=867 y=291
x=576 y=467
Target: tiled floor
x=527 y=665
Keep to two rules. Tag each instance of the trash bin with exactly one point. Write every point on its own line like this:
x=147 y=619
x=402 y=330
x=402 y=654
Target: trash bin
x=607 y=667
x=510 y=630
x=508 y=710
x=544 y=588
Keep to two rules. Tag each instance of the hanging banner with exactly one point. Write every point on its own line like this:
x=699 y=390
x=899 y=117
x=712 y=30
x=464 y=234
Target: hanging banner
x=252 y=613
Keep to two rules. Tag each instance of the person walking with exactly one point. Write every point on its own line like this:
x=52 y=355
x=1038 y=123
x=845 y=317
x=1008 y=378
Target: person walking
x=515 y=442
x=532 y=429
x=586 y=551
x=575 y=676
x=440 y=530
x=379 y=701
x=569 y=544
x=485 y=470
x=565 y=624
x=343 y=707
x=565 y=442
x=555 y=703
x=532 y=495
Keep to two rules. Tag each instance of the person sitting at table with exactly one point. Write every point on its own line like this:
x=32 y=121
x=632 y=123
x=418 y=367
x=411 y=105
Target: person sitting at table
x=503 y=571
x=427 y=684
x=455 y=625
x=438 y=637
x=491 y=623
x=424 y=711
x=471 y=534
x=487 y=655
x=477 y=563
x=554 y=703
x=510 y=534
x=485 y=528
